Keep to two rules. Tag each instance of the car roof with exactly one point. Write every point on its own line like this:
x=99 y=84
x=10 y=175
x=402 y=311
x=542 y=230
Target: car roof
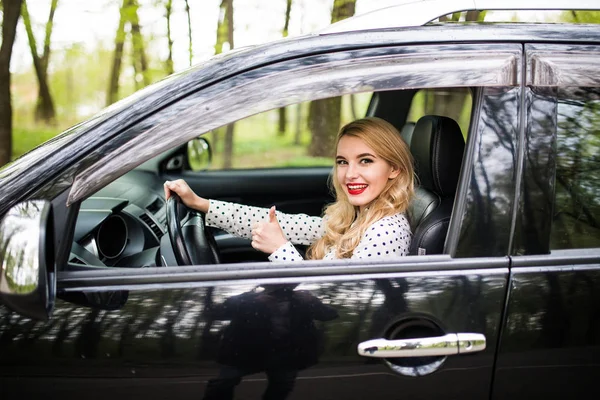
x=405 y=13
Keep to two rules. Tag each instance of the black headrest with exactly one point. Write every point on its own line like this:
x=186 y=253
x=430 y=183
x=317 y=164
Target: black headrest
x=437 y=146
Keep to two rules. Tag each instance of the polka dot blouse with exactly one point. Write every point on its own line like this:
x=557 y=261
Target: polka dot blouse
x=388 y=237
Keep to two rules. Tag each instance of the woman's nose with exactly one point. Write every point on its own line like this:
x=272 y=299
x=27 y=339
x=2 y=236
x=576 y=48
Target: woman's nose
x=351 y=171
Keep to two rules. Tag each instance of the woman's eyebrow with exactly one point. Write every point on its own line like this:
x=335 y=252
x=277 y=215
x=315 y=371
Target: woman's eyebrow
x=358 y=156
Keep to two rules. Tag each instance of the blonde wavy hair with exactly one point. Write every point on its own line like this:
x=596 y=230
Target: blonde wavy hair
x=344 y=224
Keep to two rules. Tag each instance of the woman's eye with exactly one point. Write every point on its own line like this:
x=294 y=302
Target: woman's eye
x=366 y=161
x=341 y=162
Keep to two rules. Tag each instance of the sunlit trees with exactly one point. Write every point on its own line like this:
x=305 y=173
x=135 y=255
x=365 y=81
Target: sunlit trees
x=128 y=16
x=168 y=17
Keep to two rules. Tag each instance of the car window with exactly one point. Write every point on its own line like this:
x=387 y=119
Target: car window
x=576 y=222
x=289 y=83
x=282 y=137
x=133 y=205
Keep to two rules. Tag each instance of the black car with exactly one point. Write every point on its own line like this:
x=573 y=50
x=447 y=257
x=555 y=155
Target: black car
x=107 y=290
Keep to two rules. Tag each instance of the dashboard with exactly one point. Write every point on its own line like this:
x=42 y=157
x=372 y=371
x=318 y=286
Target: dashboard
x=123 y=225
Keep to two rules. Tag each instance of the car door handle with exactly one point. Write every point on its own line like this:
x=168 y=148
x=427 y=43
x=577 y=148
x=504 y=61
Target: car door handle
x=447 y=345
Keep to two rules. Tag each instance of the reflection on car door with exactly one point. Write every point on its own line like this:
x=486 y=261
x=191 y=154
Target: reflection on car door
x=297 y=340
x=550 y=345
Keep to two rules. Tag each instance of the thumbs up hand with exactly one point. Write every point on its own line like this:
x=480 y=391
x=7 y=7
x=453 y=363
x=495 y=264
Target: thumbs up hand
x=267 y=236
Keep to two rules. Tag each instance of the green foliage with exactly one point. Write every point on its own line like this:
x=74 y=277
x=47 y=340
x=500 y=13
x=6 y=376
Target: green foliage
x=582 y=17
x=25 y=139
x=78 y=83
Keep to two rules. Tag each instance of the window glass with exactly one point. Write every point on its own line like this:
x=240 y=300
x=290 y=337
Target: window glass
x=577 y=192
x=288 y=137
x=455 y=103
x=300 y=135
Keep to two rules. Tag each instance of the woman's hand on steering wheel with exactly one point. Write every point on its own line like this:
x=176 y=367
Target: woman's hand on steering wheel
x=186 y=194
x=193 y=243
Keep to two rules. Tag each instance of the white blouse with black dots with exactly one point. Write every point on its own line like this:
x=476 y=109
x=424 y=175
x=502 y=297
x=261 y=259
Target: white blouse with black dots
x=388 y=237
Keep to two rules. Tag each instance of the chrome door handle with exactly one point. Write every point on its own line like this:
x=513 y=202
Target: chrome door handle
x=447 y=345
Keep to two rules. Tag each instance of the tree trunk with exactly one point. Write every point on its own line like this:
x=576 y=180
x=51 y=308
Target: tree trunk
x=44 y=110
x=282 y=122
x=353 y=106
x=169 y=63
x=189 y=19
x=298 y=130
x=225 y=34
x=342 y=9
x=284 y=33
x=228 y=146
x=47 y=112
x=138 y=43
x=448 y=103
x=135 y=62
x=49 y=27
x=113 y=88
x=324 y=122
x=10 y=17
x=324 y=115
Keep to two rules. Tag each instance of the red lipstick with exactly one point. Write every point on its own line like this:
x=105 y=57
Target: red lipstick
x=355 y=189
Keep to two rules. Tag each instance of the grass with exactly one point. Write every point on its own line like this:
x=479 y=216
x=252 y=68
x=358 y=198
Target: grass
x=257 y=143
x=25 y=139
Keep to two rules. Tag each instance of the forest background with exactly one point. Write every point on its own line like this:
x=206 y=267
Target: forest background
x=62 y=61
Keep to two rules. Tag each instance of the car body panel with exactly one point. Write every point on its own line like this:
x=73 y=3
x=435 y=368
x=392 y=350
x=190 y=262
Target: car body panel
x=551 y=333
x=167 y=340
x=552 y=330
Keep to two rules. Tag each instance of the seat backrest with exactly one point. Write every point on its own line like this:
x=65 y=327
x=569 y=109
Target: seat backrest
x=407 y=131
x=437 y=146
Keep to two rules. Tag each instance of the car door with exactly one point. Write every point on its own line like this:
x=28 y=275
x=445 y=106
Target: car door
x=200 y=330
x=549 y=346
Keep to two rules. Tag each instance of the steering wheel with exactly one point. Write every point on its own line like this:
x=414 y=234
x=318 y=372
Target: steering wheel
x=202 y=247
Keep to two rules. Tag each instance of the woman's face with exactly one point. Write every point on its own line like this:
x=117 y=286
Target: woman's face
x=360 y=172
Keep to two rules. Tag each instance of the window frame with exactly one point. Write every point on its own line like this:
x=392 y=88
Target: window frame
x=319 y=77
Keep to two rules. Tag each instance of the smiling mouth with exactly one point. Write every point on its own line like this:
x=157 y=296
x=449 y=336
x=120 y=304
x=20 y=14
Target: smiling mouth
x=355 y=189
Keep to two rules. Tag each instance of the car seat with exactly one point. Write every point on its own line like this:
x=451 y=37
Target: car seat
x=437 y=146
x=407 y=131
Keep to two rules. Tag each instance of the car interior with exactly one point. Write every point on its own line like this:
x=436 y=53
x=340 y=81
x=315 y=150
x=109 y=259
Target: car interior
x=125 y=224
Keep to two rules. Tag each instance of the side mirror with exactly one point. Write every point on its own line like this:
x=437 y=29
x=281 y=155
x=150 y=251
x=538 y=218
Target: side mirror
x=199 y=154
x=27 y=283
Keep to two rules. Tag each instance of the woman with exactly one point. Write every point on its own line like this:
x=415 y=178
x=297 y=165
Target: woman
x=373 y=182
